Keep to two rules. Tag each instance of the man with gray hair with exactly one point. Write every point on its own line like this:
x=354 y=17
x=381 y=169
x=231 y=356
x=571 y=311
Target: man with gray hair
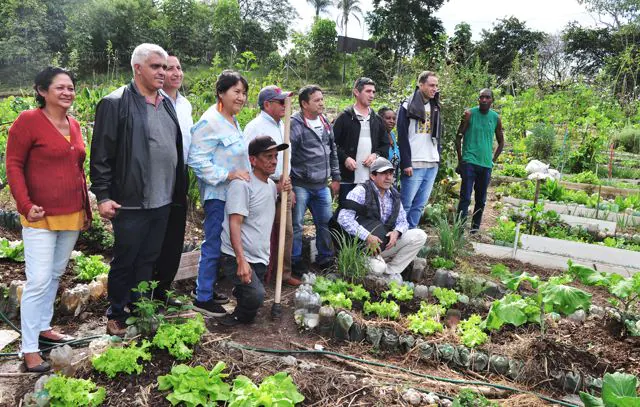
x=137 y=172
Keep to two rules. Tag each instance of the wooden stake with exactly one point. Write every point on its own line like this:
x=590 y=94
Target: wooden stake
x=283 y=200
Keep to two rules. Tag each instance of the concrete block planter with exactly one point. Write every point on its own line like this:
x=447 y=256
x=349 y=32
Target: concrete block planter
x=577 y=210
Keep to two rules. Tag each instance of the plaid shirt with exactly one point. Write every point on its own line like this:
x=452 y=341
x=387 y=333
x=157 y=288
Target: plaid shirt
x=347 y=217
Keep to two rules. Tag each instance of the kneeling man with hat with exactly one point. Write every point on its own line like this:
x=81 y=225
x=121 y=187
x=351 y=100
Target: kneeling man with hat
x=249 y=213
x=373 y=213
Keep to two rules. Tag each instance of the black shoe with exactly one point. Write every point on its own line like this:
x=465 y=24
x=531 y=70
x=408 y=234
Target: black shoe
x=47 y=341
x=229 y=320
x=300 y=268
x=217 y=297
x=43 y=367
x=325 y=264
x=210 y=308
x=170 y=302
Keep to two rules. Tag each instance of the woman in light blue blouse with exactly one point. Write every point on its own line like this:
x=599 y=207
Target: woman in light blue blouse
x=217 y=155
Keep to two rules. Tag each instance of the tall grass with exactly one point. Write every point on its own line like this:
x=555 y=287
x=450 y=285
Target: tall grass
x=353 y=264
x=452 y=237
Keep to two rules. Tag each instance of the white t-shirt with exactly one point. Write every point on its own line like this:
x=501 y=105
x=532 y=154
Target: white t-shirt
x=424 y=148
x=316 y=125
x=364 y=149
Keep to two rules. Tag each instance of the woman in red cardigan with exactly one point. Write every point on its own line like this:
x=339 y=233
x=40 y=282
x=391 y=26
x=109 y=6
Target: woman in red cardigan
x=45 y=156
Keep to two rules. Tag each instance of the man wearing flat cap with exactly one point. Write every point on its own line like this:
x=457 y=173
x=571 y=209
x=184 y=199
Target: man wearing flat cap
x=249 y=212
x=269 y=123
x=373 y=213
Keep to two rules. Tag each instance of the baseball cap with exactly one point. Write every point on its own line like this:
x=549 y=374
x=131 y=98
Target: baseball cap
x=381 y=164
x=271 y=92
x=261 y=144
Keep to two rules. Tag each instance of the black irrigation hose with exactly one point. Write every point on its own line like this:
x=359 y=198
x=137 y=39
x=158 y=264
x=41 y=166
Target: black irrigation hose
x=74 y=342
x=405 y=370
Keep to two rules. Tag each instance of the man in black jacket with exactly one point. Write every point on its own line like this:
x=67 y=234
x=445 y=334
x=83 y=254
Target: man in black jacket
x=360 y=138
x=137 y=173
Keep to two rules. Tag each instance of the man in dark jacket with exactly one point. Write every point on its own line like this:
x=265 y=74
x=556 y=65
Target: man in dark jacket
x=313 y=161
x=137 y=173
x=360 y=137
x=419 y=129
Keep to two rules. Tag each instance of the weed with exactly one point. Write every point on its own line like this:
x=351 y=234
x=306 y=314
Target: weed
x=353 y=262
x=452 y=237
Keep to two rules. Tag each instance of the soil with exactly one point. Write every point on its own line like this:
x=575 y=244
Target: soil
x=593 y=347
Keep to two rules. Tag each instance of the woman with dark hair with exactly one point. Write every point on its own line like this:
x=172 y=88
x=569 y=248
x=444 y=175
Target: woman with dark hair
x=45 y=156
x=217 y=155
x=389 y=118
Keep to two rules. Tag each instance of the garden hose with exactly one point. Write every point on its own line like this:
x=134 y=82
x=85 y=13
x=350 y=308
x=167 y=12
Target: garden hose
x=74 y=342
x=405 y=370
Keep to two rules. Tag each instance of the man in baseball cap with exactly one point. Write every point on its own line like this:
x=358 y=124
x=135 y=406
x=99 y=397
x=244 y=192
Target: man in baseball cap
x=269 y=122
x=249 y=212
x=373 y=213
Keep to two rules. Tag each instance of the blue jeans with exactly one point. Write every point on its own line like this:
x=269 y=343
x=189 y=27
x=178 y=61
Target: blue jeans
x=210 y=250
x=319 y=203
x=415 y=192
x=476 y=178
x=46 y=255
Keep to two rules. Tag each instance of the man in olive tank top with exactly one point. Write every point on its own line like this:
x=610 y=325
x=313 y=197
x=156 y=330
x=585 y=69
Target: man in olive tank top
x=474 y=145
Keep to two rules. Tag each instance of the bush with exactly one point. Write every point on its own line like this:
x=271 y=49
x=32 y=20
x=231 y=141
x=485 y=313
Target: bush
x=541 y=142
x=629 y=139
x=514 y=170
x=586 y=177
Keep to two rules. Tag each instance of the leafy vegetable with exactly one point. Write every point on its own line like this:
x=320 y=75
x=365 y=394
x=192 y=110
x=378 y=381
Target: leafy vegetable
x=564 y=299
x=195 y=386
x=420 y=324
x=122 y=360
x=470 y=331
x=512 y=309
x=338 y=300
x=66 y=391
x=618 y=390
x=12 y=250
x=383 y=309
x=442 y=263
x=469 y=398
x=401 y=292
x=88 y=267
x=445 y=296
x=276 y=390
x=176 y=336
x=589 y=276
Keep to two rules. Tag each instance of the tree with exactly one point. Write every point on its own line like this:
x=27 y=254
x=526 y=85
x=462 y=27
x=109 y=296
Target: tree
x=323 y=49
x=508 y=38
x=187 y=26
x=403 y=26
x=226 y=29
x=590 y=48
x=461 y=48
x=554 y=65
x=255 y=39
x=273 y=16
x=349 y=8
x=320 y=5
x=622 y=12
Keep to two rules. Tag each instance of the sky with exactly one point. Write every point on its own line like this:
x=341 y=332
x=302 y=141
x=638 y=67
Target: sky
x=550 y=16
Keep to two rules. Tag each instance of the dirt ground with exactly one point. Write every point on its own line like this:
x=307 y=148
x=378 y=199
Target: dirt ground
x=593 y=347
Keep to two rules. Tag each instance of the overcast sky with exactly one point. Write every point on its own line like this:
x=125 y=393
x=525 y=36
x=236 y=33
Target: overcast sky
x=545 y=15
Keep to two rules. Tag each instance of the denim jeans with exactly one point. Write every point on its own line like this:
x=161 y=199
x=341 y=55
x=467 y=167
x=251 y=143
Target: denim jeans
x=415 y=192
x=476 y=178
x=210 y=250
x=138 y=236
x=319 y=203
x=249 y=297
x=46 y=255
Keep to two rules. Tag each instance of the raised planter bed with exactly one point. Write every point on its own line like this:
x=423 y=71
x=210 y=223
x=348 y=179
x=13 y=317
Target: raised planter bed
x=577 y=210
x=606 y=190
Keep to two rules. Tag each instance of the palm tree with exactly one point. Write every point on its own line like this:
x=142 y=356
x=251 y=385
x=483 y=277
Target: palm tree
x=349 y=8
x=320 y=5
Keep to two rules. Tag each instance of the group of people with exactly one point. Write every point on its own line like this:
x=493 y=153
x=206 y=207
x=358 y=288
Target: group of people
x=144 y=139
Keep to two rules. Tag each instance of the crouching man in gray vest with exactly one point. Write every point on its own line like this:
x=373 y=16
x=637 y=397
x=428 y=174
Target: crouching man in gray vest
x=373 y=213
